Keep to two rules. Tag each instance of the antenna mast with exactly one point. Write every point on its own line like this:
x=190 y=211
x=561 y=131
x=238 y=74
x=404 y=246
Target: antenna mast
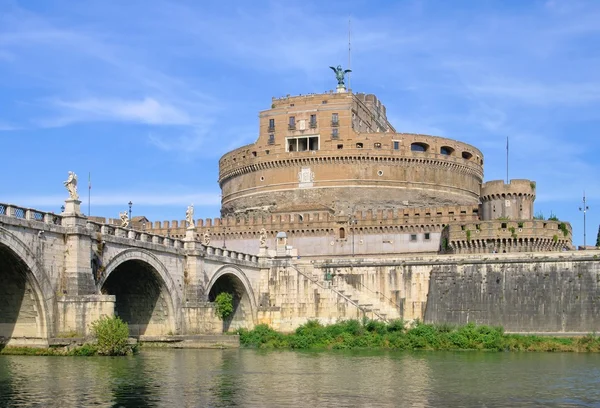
x=349 y=51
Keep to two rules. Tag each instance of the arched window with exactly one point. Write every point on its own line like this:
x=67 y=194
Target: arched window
x=419 y=147
x=466 y=155
x=342 y=233
x=446 y=150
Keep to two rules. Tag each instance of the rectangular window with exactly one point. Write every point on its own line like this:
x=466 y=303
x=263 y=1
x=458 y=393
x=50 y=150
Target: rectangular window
x=396 y=145
x=377 y=145
x=427 y=236
x=271 y=139
x=335 y=120
x=335 y=133
x=413 y=237
x=302 y=143
x=313 y=121
x=292 y=122
x=271 y=125
x=340 y=146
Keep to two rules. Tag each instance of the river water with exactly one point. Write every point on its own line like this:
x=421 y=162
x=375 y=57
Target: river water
x=255 y=378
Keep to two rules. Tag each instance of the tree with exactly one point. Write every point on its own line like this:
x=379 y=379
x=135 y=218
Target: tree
x=598 y=239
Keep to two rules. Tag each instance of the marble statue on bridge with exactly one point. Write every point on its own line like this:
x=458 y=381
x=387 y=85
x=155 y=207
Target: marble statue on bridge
x=124 y=219
x=189 y=216
x=263 y=238
x=71 y=186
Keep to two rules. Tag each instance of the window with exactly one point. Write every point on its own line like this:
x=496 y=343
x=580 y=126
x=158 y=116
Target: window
x=377 y=145
x=335 y=133
x=396 y=145
x=342 y=233
x=419 y=147
x=302 y=143
x=292 y=123
x=466 y=155
x=359 y=145
x=445 y=150
x=335 y=120
x=340 y=146
x=313 y=121
x=271 y=139
x=413 y=237
x=427 y=236
x=271 y=125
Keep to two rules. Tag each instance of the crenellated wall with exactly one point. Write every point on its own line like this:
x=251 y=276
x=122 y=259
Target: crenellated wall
x=501 y=236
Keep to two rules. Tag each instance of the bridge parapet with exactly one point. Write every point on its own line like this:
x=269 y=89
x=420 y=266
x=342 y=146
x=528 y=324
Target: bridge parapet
x=30 y=214
x=134 y=235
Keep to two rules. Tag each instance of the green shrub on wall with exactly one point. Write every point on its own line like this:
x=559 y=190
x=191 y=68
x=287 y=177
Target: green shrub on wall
x=224 y=302
x=112 y=334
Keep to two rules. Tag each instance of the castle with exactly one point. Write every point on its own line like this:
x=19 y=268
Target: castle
x=331 y=172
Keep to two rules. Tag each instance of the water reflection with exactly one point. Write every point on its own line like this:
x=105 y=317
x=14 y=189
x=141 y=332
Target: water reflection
x=254 y=378
x=132 y=383
x=225 y=384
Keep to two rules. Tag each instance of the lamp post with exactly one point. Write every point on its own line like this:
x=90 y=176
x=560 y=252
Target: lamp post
x=130 y=204
x=584 y=209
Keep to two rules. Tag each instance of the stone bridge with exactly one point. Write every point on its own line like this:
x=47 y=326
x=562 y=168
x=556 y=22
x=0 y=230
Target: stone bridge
x=58 y=273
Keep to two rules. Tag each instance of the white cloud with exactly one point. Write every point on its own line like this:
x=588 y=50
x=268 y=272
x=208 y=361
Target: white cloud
x=4 y=127
x=147 y=110
x=115 y=199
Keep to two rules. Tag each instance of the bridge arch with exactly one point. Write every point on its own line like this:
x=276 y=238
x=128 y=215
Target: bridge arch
x=146 y=296
x=232 y=279
x=26 y=292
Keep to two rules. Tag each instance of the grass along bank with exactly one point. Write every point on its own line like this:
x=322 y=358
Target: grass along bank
x=111 y=338
x=395 y=335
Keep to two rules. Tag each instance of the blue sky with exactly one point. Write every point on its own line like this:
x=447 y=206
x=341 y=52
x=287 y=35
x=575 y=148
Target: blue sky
x=147 y=95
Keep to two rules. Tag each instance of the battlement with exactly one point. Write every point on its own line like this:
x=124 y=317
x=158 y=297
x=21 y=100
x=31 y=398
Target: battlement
x=498 y=188
x=506 y=236
x=324 y=221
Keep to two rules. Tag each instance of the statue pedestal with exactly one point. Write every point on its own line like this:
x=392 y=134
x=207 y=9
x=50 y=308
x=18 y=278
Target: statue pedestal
x=72 y=207
x=190 y=234
x=341 y=88
x=263 y=252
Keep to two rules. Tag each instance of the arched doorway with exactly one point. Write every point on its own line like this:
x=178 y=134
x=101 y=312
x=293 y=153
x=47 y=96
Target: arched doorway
x=141 y=298
x=22 y=314
x=243 y=305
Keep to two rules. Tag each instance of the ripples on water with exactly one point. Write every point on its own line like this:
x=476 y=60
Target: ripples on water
x=250 y=378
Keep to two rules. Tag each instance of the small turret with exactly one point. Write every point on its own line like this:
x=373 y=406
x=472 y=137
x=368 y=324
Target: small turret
x=512 y=201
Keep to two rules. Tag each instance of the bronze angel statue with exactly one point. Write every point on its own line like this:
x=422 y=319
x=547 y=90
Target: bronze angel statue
x=339 y=74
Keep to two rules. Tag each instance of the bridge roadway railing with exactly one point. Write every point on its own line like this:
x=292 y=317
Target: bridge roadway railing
x=29 y=214
x=145 y=236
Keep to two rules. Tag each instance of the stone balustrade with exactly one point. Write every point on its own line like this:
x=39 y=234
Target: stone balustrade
x=10 y=210
x=24 y=213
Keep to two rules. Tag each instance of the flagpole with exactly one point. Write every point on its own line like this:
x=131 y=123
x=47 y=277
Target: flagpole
x=507 y=160
x=89 y=193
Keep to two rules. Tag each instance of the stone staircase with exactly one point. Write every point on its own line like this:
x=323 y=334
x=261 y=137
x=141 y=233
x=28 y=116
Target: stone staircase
x=370 y=300
x=370 y=303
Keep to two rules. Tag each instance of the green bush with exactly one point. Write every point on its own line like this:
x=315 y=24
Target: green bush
x=224 y=302
x=112 y=334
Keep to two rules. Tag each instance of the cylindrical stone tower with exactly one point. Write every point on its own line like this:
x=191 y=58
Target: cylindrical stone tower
x=512 y=201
